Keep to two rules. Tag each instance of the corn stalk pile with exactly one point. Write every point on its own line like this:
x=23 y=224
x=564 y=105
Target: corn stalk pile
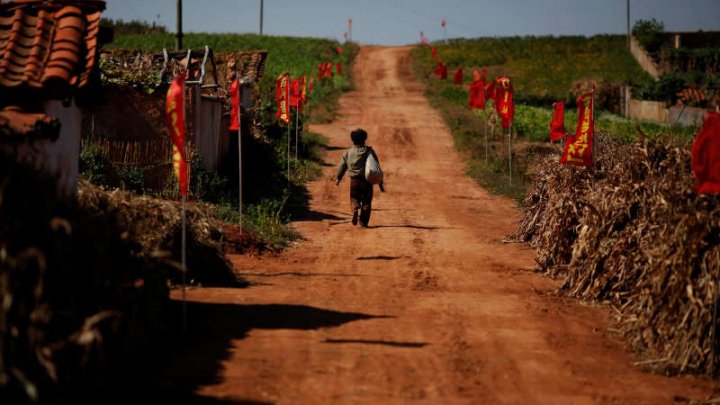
x=156 y=226
x=634 y=234
x=72 y=287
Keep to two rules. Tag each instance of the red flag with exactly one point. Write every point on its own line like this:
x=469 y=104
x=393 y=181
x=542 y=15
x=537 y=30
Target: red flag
x=339 y=50
x=175 y=119
x=504 y=101
x=476 y=100
x=328 y=70
x=303 y=90
x=424 y=39
x=349 y=24
x=578 y=147
x=458 y=76
x=443 y=23
x=490 y=91
x=295 y=93
x=484 y=75
x=557 y=125
x=338 y=68
x=434 y=53
x=441 y=70
x=235 y=102
x=706 y=156
x=281 y=98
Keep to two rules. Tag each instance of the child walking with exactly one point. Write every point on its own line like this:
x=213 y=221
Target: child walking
x=361 y=190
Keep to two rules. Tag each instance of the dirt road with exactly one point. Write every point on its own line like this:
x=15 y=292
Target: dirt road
x=427 y=304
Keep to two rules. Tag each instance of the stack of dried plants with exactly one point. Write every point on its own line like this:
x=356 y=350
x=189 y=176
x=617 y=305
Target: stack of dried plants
x=633 y=233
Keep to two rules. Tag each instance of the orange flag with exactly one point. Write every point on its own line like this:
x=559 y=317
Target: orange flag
x=706 y=156
x=282 y=98
x=175 y=119
x=578 y=147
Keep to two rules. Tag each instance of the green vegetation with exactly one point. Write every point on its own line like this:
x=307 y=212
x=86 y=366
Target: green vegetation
x=269 y=204
x=297 y=55
x=650 y=34
x=543 y=70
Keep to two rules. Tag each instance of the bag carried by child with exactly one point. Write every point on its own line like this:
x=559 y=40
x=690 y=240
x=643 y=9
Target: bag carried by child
x=373 y=173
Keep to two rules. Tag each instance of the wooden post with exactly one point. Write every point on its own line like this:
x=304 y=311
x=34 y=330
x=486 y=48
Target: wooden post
x=179 y=31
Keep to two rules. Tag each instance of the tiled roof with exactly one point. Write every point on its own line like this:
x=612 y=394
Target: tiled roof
x=18 y=125
x=50 y=41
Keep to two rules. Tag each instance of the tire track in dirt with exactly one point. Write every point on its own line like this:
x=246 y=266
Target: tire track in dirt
x=428 y=304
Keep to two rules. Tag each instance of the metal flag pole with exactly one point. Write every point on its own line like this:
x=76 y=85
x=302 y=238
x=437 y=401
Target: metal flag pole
x=297 y=117
x=486 y=138
x=183 y=235
x=289 y=111
x=510 y=151
x=713 y=332
x=183 y=245
x=240 y=188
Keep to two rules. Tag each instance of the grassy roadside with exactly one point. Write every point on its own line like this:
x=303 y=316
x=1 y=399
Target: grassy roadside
x=524 y=60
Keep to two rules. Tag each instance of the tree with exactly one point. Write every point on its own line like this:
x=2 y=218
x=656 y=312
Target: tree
x=650 y=34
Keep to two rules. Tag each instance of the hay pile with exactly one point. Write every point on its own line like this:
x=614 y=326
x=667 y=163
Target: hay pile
x=156 y=226
x=634 y=234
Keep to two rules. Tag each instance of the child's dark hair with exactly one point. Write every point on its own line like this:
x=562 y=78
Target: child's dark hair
x=358 y=137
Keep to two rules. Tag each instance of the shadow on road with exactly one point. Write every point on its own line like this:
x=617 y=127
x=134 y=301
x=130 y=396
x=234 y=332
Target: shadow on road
x=378 y=257
x=176 y=371
x=298 y=274
x=416 y=345
x=427 y=228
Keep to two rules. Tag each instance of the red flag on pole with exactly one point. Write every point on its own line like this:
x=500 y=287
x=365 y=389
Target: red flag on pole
x=303 y=90
x=434 y=53
x=338 y=67
x=425 y=40
x=476 y=100
x=458 y=76
x=557 y=125
x=490 y=91
x=443 y=23
x=441 y=70
x=706 y=156
x=339 y=50
x=295 y=93
x=504 y=101
x=235 y=103
x=578 y=147
x=281 y=98
x=175 y=120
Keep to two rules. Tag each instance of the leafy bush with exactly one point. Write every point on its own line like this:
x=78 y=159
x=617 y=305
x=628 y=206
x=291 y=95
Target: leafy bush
x=93 y=166
x=650 y=34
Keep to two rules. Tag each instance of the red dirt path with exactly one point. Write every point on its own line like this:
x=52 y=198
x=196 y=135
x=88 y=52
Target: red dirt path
x=426 y=305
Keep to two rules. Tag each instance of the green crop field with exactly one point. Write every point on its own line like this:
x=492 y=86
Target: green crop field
x=542 y=68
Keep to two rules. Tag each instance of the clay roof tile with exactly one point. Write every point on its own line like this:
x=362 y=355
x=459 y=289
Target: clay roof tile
x=44 y=42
